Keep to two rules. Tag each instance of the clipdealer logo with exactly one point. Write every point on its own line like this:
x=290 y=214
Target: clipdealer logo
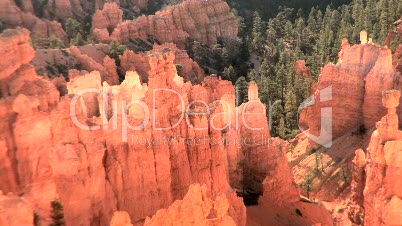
x=325 y=137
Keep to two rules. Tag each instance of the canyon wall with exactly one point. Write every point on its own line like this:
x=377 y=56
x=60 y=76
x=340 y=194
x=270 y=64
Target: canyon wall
x=376 y=194
x=354 y=88
x=202 y=21
x=382 y=193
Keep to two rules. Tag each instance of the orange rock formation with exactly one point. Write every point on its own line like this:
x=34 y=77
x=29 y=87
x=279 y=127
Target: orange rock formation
x=196 y=208
x=382 y=193
x=190 y=69
x=356 y=83
x=105 y=21
x=202 y=21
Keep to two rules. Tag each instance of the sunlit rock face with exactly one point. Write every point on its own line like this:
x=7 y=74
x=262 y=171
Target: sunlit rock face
x=354 y=86
x=382 y=193
x=15 y=211
x=202 y=21
x=196 y=208
x=355 y=210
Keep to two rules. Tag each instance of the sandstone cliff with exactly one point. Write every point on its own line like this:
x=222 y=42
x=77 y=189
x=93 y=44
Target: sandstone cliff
x=15 y=211
x=354 y=88
x=202 y=21
x=382 y=193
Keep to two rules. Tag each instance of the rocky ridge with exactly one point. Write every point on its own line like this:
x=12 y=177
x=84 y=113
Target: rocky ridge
x=202 y=21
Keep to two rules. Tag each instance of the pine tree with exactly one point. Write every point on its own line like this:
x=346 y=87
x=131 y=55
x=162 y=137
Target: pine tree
x=115 y=50
x=291 y=109
x=257 y=32
x=56 y=43
x=78 y=40
x=399 y=9
x=319 y=18
x=346 y=27
x=300 y=25
x=57 y=214
x=311 y=20
x=197 y=51
x=73 y=27
x=383 y=21
x=371 y=16
x=241 y=91
x=289 y=35
x=229 y=73
x=282 y=130
x=241 y=23
x=252 y=76
x=264 y=89
x=358 y=17
x=308 y=184
x=225 y=57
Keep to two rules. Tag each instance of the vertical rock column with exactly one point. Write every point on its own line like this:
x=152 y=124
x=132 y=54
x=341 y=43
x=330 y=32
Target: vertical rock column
x=382 y=192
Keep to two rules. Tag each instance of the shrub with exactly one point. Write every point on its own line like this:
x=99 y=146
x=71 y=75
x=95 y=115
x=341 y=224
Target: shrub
x=36 y=219
x=115 y=50
x=179 y=69
x=56 y=43
x=57 y=213
x=339 y=209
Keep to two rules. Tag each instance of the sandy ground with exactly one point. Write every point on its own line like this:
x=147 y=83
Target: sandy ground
x=311 y=213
